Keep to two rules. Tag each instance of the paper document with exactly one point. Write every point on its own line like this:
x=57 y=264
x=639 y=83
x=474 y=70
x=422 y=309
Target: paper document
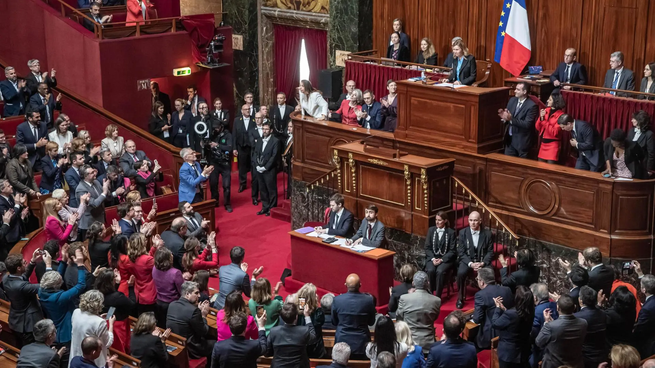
x=450 y=85
x=305 y=230
x=313 y=234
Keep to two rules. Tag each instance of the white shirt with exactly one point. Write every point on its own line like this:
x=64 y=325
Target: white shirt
x=37 y=76
x=475 y=235
x=596 y=266
x=440 y=232
x=246 y=122
x=283 y=109
x=260 y=129
x=264 y=142
x=637 y=135
x=314 y=104
x=289 y=139
x=337 y=217
x=618 y=78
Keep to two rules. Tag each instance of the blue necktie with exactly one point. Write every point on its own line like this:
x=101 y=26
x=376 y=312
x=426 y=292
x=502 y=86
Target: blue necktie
x=615 y=82
x=57 y=184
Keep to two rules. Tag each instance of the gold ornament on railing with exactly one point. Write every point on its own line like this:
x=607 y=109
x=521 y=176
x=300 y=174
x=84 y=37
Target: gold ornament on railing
x=337 y=161
x=351 y=162
x=424 y=181
x=408 y=180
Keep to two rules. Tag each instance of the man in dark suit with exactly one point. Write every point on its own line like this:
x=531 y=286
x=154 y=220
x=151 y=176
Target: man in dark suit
x=174 y=240
x=569 y=71
x=95 y=209
x=45 y=103
x=644 y=330
x=340 y=356
x=248 y=101
x=440 y=252
x=196 y=140
x=341 y=220
x=39 y=353
x=562 y=338
x=116 y=185
x=579 y=277
x=197 y=226
x=288 y=343
x=526 y=275
x=255 y=135
x=73 y=177
x=219 y=114
x=243 y=124
x=160 y=96
x=188 y=319
x=220 y=156
x=33 y=133
x=371 y=231
x=193 y=100
x=16 y=203
x=264 y=157
x=131 y=156
x=453 y=352
x=35 y=77
x=234 y=277
x=24 y=310
x=600 y=276
x=94 y=13
x=519 y=116
x=104 y=162
x=126 y=213
x=352 y=313
x=14 y=92
x=485 y=306
x=237 y=351
x=281 y=114
x=371 y=118
x=475 y=249
x=586 y=139
x=619 y=77
x=594 y=347
x=541 y=302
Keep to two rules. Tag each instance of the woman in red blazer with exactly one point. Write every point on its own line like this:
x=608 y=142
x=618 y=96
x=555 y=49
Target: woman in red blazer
x=350 y=109
x=135 y=11
x=142 y=265
x=54 y=227
x=193 y=262
x=550 y=133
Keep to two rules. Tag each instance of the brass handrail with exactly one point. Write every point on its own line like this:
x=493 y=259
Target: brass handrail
x=324 y=177
x=584 y=88
x=373 y=56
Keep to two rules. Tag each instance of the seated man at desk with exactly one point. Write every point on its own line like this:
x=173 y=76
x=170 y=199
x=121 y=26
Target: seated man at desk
x=619 y=77
x=371 y=232
x=341 y=220
x=569 y=71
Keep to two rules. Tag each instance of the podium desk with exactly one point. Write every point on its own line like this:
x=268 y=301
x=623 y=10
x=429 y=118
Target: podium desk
x=327 y=266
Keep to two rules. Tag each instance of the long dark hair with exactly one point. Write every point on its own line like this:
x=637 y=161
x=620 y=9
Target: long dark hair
x=94 y=233
x=385 y=336
x=105 y=282
x=623 y=302
x=118 y=247
x=558 y=102
x=524 y=303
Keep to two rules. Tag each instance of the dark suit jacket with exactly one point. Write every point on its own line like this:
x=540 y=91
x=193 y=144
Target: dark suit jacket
x=50 y=173
x=344 y=227
x=126 y=162
x=601 y=277
x=241 y=136
x=594 y=348
x=36 y=102
x=396 y=292
x=25 y=309
x=166 y=100
x=268 y=156
x=522 y=123
x=127 y=227
x=73 y=179
x=186 y=320
x=420 y=59
x=33 y=84
x=467 y=73
x=237 y=352
x=642 y=88
x=352 y=313
x=466 y=250
x=633 y=157
x=562 y=341
x=377 y=234
x=514 y=335
x=522 y=276
x=578 y=73
x=447 y=246
x=404 y=40
x=647 y=144
x=281 y=121
x=403 y=53
x=575 y=294
x=374 y=112
x=644 y=331
x=288 y=345
x=102 y=170
x=15 y=101
x=21 y=177
x=155 y=124
x=589 y=141
x=175 y=244
x=181 y=127
x=484 y=311
x=150 y=350
x=25 y=136
x=619 y=326
x=449 y=60
x=38 y=354
x=15 y=231
x=196 y=101
x=223 y=118
x=457 y=353
x=626 y=81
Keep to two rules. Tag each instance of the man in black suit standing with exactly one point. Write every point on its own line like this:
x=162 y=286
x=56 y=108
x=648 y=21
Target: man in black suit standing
x=569 y=71
x=562 y=339
x=485 y=306
x=13 y=91
x=526 y=275
x=220 y=156
x=188 y=319
x=352 y=313
x=281 y=112
x=520 y=116
x=619 y=77
x=644 y=330
x=174 y=240
x=341 y=220
x=45 y=103
x=193 y=100
x=594 y=347
x=453 y=352
x=33 y=133
x=35 y=77
x=475 y=249
x=586 y=139
x=17 y=205
x=288 y=343
x=255 y=135
x=243 y=124
x=160 y=96
x=197 y=141
x=264 y=161
x=601 y=277
x=237 y=351
x=220 y=115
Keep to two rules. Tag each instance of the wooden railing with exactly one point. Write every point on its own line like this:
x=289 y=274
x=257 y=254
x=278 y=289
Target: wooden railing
x=373 y=57
x=618 y=92
x=318 y=192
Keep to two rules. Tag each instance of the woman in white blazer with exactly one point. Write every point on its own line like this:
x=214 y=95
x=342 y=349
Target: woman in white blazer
x=61 y=135
x=312 y=102
x=113 y=142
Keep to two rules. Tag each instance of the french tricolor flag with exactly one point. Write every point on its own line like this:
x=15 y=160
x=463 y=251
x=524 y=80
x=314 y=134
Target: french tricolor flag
x=513 y=47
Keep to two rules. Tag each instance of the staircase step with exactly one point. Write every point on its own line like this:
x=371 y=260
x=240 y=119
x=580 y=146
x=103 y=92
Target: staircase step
x=283 y=214
x=285 y=203
x=461 y=223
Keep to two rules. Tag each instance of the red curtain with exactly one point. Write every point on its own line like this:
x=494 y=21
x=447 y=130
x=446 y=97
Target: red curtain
x=201 y=30
x=287 y=44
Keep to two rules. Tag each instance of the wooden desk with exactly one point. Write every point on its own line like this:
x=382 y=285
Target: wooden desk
x=540 y=89
x=327 y=266
x=10 y=357
x=464 y=118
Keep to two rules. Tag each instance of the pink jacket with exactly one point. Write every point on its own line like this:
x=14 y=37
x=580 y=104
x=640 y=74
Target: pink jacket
x=54 y=231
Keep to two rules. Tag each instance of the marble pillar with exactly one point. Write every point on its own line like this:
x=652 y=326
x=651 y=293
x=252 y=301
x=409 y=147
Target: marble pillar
x=351 y=25
x=242 y=16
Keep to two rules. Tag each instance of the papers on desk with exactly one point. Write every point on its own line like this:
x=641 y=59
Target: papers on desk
x=450 y=85
x=305 y=230
x=341 y=242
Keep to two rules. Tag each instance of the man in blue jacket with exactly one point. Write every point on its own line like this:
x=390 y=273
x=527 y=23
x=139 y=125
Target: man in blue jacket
x=453 y=352
x=191 y=175
x=370 y=117
x=14 y=92
x=352 y=313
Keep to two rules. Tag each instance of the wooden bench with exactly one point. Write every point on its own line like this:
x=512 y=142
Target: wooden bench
x=124 y=359
x=265 y=362
x=9 y=358
x=178 y=357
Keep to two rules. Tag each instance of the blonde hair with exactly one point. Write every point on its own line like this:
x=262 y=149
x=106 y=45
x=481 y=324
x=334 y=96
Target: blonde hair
x=145 y=324
x=136 y=246
x=78 y=144
x=49 y=210
x=50 y=146
x=624 y=356
x=462 y=45
x=110 y=129
x=308 y=291
x=132 y=196
x=92 y=302
x=403 y=333
x=261 y=291
x=430 y=50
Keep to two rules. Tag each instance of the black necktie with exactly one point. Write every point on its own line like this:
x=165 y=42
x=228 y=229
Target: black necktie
x=194 y=222
x=518 y=107
x=566 y=72
x=370 y=231
x=195 y=170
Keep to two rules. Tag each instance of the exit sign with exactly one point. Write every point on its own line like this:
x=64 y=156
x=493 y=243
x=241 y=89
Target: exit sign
x=182 y=71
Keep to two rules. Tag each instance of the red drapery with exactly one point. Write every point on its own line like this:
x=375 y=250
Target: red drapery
x=287 y=44
x=201 y=30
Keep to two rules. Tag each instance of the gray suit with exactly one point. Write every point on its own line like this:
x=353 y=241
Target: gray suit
x=231 y=277
x=420 y=309
x=377 y=235
x=562 y=341
x=127 y=161
x=626 y=80
x=25 y=310
x=38 y=354
x=95 y=211
x=287 y=344
x=193 y=230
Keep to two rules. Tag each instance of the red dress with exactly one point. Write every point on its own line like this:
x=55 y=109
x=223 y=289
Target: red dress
x=550 y=135
x=200 y=264
x=144 y=285
x=348 y=114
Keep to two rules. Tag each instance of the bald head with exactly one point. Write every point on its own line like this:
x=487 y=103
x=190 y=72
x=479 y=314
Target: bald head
x=352 y=282
x=475 y=220
x=177 y=224
x=650 y=363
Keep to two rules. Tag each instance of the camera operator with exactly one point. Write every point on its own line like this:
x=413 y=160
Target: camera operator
x=218 y=155
x=197 y=141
